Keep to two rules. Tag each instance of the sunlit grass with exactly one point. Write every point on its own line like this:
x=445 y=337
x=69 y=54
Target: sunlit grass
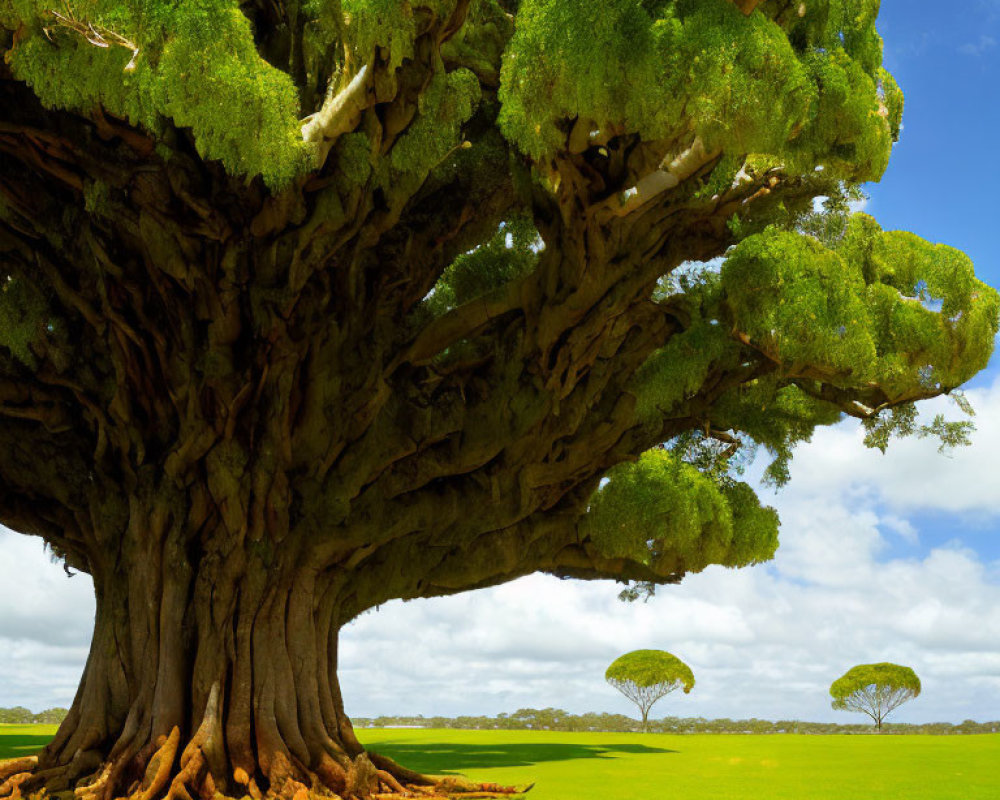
x=23 y=740
x=616 y=766
x=621 y=766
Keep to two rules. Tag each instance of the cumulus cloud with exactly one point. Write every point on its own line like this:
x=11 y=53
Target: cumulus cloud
x=763 y=642
x=46 y=620
x=912 y=475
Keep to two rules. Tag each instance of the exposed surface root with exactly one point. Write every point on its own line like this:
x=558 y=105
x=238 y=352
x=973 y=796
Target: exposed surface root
x=15 y=772
x=167 y=777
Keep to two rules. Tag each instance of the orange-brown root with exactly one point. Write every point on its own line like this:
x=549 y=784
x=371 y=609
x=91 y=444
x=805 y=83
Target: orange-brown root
x=98 y=788
x=13 y=773
x=167 y=777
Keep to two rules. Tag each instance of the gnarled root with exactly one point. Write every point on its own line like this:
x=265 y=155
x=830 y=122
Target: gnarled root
x=369 y=776
x=15 y=772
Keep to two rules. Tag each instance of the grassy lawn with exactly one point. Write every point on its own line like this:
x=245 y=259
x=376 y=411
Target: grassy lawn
x=23 y=740
x=621 y=766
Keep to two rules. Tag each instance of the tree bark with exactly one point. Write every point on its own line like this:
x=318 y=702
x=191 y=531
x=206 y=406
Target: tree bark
x=229 y=691
x=213 y=670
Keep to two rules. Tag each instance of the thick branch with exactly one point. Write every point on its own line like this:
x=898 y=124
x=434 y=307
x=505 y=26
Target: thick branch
x=339 y=114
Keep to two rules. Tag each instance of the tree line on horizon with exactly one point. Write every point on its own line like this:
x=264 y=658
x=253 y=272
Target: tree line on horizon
x=19 y=715
x=555 y=719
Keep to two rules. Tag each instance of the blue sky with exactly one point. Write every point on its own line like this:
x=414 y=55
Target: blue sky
x=892 y=557
x=942 y=178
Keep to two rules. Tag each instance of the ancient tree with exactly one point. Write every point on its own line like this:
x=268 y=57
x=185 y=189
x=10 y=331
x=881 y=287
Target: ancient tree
x=645 y=676
x=309 y=305
x=874 y=689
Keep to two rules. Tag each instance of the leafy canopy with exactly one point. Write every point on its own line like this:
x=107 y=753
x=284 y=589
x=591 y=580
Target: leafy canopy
x=644 y=676
x=809 y=92
x=882 y=676
x=875 y=689
x=648 y=668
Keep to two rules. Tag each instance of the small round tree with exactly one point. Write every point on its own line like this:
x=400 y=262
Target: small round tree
x=875 y=689
x=644 y=676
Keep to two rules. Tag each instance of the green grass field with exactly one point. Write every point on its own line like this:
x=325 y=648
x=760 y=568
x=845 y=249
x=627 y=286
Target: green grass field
x=621 y=766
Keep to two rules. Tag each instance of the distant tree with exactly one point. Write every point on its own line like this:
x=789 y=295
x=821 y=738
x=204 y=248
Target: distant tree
x=51 y=716
x=875 y=689
x=18 y=715
x=644 y=676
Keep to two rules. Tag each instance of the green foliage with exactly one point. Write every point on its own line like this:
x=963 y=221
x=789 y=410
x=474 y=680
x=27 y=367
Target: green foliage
x=884 y=307
x=511 y=253
x=194 y=62
x=448 y=102
x=669 y=515
x=388 y=24
x=647 y=668
x=676 y=371
x=354 y=158
x=902 y=421
x=803 y=91
x=885 y=674
x=24 y=318
x=875 y=689
x=892 y=97
x=808 y=90
x=19 y=715
x=856 y=305
x=321 y=32
x=776 y=416
x=828 y=222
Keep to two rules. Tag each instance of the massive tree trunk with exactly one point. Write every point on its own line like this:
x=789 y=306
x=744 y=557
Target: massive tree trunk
x=213 y=668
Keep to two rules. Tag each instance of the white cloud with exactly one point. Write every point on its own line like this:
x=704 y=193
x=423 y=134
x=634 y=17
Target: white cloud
x=763 y=642
x=46 y=620
x=912 y=474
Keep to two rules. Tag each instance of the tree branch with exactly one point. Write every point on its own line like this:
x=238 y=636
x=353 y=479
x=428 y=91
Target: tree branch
x=669 y=175
x=339 y=114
